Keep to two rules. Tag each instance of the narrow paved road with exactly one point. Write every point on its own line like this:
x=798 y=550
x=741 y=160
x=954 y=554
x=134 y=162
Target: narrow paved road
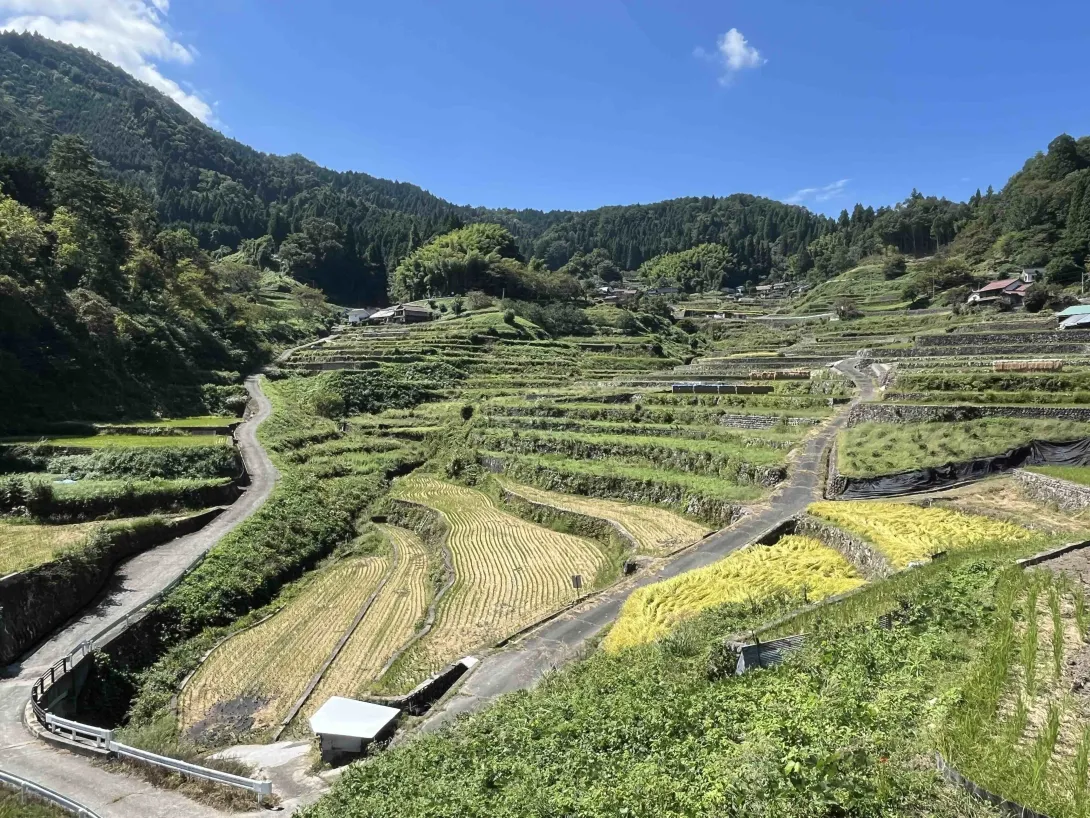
x=561 y=639
x=133 y=583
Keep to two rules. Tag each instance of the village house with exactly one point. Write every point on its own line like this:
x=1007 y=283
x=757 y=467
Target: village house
x=1010 y=291
x=359 y=315
x=401 y=314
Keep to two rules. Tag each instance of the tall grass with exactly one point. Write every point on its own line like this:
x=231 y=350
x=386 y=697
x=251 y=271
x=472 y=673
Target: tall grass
x=1030 y=641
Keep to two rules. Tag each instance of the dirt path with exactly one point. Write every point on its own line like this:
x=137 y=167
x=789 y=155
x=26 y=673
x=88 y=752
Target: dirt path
x=562 y=639
x=133 y=582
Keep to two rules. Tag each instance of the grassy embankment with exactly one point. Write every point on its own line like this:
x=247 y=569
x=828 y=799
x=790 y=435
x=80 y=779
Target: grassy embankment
x=870 y=449
x=847 y=726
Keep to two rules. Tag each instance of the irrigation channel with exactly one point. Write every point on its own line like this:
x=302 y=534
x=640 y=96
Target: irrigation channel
x=133 y=583
x=113 y=795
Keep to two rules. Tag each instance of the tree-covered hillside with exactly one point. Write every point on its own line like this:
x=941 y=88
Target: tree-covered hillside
x=225 y=192
x=219 y=189
x=347 y=233
x=106 y=314
x=760 y=233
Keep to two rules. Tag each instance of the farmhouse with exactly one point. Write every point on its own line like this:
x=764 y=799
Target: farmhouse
x=1010 y=291
x=358 y=316
x=347 y=726
x=401 y=314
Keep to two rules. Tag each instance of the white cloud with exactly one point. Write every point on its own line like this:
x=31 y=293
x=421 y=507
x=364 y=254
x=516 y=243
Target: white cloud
x=131 y=34
x=733 y=53
x=832 y=190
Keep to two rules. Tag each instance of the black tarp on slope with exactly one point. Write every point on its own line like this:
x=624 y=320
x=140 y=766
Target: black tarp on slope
x=1035 y=453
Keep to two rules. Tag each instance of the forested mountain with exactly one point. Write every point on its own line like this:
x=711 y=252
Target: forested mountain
x=219 y=189
x=224 y=192
x=106 y=314
x=760 y=233
x=347 y=233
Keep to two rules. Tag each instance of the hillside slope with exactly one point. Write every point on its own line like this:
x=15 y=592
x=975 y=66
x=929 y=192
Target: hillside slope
x=224 y=192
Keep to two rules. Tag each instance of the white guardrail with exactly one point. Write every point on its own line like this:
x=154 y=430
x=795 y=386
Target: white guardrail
x=29 y=788
x=104 y=740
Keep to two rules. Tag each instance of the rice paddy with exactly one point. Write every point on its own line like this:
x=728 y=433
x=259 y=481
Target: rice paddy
x=387 y=626
x=656 y=530
x=25 y=545
x=508 y=574
x=793 y=565
x=270 y=664
x=907 y=533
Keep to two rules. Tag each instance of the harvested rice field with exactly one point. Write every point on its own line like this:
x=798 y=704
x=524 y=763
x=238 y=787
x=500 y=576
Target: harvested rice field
x=251 y=681
x=657 y=530
x=25 y=545
x=508 y=574
x=388 y=625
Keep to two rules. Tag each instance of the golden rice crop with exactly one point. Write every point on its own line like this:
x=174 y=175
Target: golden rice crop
x=388 y=624
x=24 y=546
x=906 y=532
x=508 y=573
x=755 y=572
x=274 y=661
x=655 y=529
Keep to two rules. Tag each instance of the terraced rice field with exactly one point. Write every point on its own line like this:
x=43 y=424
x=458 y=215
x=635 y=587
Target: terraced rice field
x=656 y=530
x=266 y=668
x=125 y=441
x=23 y=546
x=905 y=533
x=387 y=626
x=752 y=573
x=871 y=449
x=508 y=573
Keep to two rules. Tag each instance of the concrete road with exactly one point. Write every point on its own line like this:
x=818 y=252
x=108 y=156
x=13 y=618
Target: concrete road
x=134 y=582
x=563 y=639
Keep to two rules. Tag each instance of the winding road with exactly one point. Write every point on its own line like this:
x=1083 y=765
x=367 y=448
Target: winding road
x=562 y=639
x=133 y=583
x=115 y=795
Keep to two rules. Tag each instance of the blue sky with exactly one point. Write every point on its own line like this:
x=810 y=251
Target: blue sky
x=566 y=104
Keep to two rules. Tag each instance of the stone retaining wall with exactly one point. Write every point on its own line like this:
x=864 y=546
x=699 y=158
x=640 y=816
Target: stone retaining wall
x=1063 y=494
x=871 y=563
x=36 y=601
x=763 y=421
x=713 y=510
x=999 y=350
x=1008 y=338
x=931 y=413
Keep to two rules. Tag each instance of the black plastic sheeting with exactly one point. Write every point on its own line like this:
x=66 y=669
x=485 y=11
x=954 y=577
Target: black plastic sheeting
x=1035 y=453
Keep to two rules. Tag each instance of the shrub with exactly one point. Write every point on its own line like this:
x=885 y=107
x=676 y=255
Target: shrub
x=476 y=300
x=509 y=317
x=329 y=404
x=894 y=266
x=21 y=495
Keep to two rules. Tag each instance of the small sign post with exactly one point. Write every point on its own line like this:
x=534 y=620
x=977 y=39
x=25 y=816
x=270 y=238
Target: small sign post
x=577 y=583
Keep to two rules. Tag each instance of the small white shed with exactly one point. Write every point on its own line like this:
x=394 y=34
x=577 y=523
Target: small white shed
x=347 y=726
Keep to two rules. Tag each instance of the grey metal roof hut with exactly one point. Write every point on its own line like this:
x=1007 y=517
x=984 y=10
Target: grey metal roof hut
x=347 y=726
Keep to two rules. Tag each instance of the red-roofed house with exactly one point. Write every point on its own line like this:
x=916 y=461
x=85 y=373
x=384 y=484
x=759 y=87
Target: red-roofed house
x=1009 y=290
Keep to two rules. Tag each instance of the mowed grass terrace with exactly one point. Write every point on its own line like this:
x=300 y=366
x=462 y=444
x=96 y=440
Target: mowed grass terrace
x=872 y=449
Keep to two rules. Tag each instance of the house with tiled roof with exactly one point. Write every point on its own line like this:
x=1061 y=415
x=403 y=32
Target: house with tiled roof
x=1010 y=291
